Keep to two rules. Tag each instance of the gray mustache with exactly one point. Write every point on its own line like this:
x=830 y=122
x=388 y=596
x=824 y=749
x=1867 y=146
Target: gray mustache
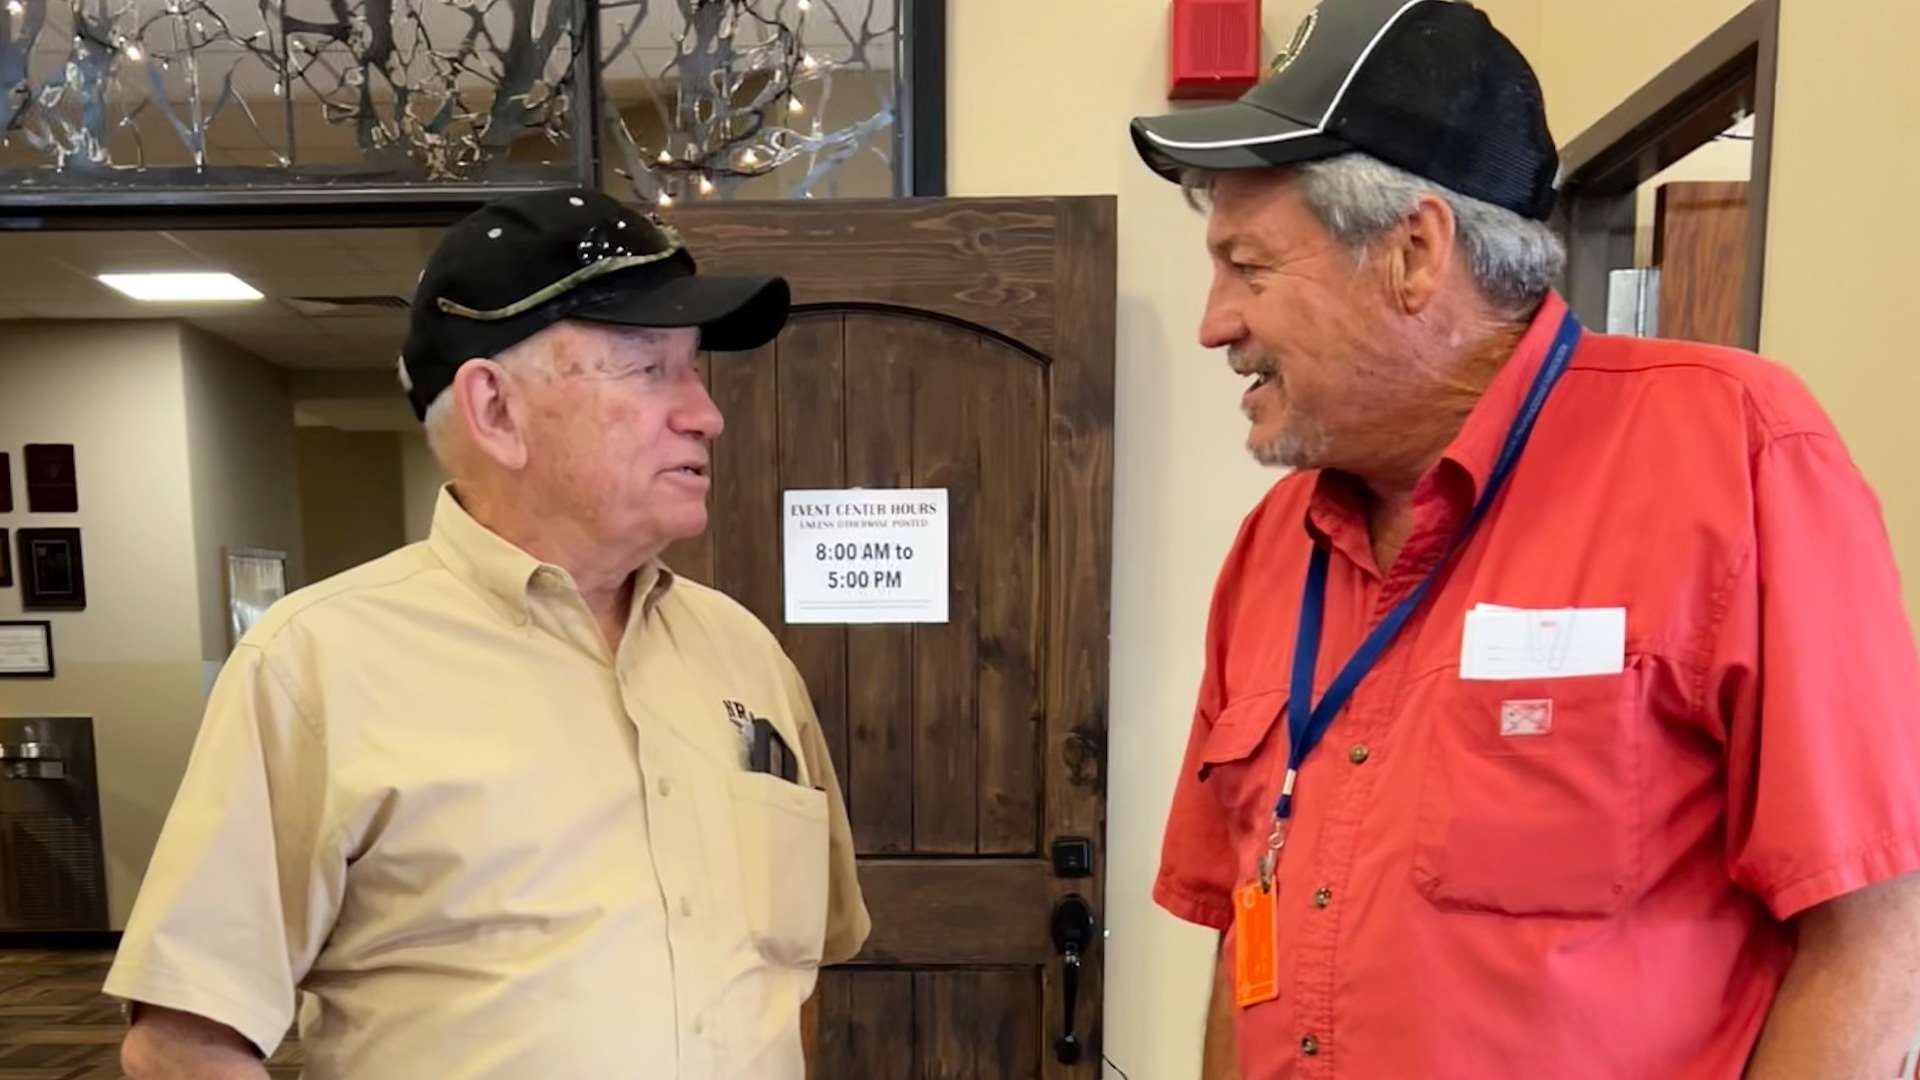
x=1251 y=363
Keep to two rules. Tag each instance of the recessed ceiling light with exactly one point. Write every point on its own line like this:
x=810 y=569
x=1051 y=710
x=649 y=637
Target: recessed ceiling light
x=181 y=288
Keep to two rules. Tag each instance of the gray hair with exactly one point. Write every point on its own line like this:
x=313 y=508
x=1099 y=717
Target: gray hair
x=1514 y=260
x=439 y=423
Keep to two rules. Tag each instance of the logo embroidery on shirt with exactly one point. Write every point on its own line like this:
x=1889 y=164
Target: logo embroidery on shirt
x=742 y=719
x=1519 y=718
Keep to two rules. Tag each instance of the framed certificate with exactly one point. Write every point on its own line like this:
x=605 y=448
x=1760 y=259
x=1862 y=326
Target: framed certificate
x=256 y=578
x=26 y=650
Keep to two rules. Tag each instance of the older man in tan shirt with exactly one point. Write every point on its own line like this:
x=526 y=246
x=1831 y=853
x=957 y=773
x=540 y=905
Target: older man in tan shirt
x=515 y=802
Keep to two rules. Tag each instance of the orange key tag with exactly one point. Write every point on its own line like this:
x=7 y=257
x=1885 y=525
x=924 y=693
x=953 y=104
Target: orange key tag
x=1256 y=949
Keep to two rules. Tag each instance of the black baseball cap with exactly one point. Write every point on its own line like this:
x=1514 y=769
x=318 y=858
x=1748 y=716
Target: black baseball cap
x=1427 y=86
x=520 y=264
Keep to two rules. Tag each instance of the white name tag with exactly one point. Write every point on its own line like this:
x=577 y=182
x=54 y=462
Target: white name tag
x=1510 y=643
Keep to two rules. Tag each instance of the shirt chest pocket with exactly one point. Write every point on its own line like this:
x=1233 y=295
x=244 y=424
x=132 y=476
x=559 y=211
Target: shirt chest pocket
x=1529 y=802
x=782 y=831
x=1245 y=756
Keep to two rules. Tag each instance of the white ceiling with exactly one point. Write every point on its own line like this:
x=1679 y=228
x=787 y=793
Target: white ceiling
x=52 y=276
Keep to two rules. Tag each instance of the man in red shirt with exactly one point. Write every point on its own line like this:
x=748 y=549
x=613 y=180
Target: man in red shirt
x=1560 y=717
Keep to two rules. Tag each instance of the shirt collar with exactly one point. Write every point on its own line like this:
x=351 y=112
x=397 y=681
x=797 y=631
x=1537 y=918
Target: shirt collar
x=1335 y=514
x=506 y=576
x=1477 y=448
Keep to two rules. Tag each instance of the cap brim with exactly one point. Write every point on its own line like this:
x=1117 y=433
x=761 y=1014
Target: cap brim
x=1224 y=137
x=733 y=314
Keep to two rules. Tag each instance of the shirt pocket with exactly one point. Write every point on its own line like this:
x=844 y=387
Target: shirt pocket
x=1530 y=799
x=1237 y=760
x=782 y=831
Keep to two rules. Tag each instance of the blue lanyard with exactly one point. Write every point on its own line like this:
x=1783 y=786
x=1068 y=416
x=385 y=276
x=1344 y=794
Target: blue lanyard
x=1307 y=724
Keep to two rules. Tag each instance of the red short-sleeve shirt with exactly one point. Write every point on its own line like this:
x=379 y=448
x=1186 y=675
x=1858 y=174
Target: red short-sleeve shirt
x=1605 y=897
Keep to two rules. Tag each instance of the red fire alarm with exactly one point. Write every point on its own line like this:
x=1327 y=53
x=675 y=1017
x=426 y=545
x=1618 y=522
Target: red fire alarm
x=1216 y=48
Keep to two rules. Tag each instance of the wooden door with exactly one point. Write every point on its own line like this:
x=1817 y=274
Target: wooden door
x=965 y=345
x=1700 y=245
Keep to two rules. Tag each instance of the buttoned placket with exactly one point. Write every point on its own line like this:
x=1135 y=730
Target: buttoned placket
x=1347 y=783
x=675 y=846
x=673 y=838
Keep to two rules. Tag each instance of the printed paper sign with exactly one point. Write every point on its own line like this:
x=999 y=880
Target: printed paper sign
x=867 y=556
x=1511 y=643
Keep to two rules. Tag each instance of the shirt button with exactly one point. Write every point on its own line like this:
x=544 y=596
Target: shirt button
x=666 y=787
x=1323 y=898
x=1359 y=754
x=686 y=907
x=699 y=1026
x=1310 y=1046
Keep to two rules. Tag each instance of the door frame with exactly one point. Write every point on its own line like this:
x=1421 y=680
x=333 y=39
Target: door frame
x=1677 y=112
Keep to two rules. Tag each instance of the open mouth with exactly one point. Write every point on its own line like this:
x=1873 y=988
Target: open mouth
x=690 y=470
x=1260 y=380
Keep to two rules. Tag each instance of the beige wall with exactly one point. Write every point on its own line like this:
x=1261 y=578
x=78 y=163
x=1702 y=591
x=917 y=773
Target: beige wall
x=1838 y=277
x=1590 y=56
x=239 y=423
x=1182 y=479
x=420 y=477
x=351 y=505
x=132 y=659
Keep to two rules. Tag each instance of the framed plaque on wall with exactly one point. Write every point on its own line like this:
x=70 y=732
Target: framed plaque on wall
x=53 y=573
x=53 y=482
x=26 y=650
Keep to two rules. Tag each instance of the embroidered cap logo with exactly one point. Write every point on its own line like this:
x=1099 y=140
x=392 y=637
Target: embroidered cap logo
x=1301 y=36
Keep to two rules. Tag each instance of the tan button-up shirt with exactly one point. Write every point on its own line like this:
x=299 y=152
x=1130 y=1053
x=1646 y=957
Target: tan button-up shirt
x=426 y=796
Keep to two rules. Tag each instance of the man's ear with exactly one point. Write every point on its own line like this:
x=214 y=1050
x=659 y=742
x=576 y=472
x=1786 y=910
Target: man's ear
x=1422 y=254
x=493 y=411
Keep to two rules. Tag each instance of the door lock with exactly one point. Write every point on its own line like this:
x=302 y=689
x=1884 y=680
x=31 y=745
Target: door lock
x=1072 y=937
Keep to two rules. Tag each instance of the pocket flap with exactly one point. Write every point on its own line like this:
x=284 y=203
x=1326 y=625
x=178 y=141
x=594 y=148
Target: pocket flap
x=1242 y=726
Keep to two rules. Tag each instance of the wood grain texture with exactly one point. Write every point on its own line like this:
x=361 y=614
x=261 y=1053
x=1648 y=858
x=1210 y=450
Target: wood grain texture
x=975 y=1025
x=1012 y=437
x=824 y=999
x=744 y=518
x=989 y=262
x=1079 y=573
x=1700 y=245
x=977 y=355
x=880 y=356
x=946 y=718
x=812 y=427
x=957 y=911
x=866 y=1025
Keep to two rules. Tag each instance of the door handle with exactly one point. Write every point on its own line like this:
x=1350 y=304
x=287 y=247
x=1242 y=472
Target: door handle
x=1072 y=936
